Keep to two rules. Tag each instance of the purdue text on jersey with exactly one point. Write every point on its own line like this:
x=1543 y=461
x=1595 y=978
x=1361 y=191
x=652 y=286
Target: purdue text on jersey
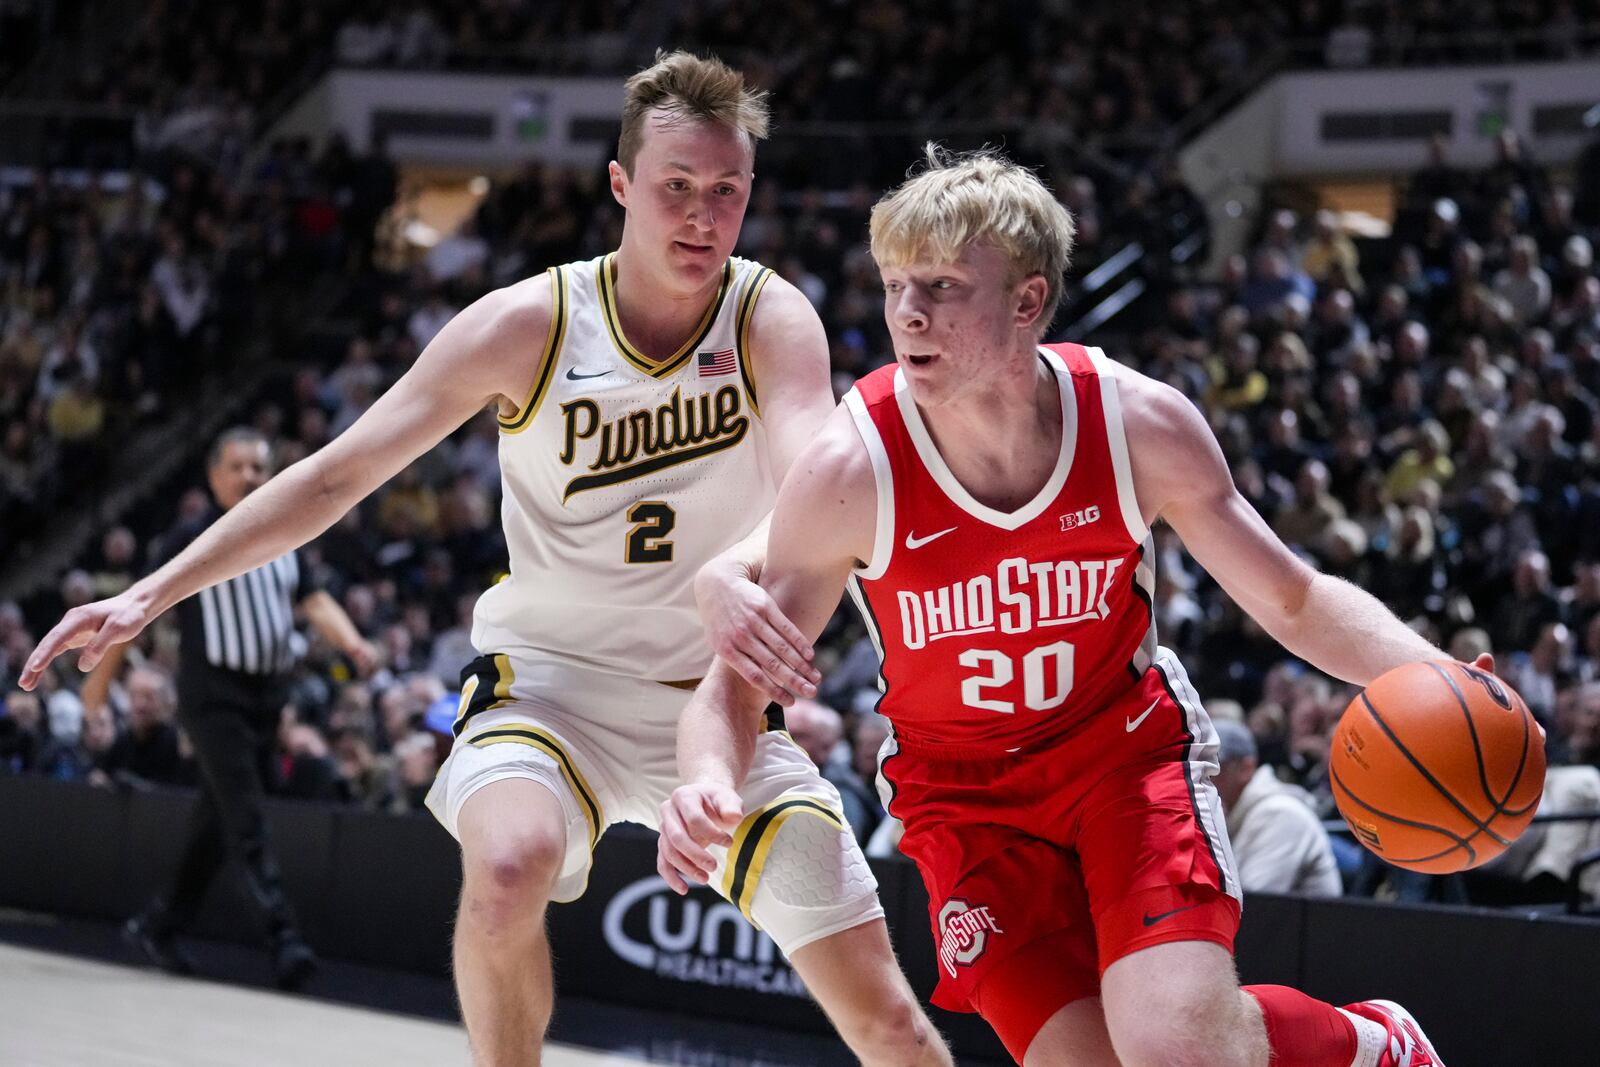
x=647 y=440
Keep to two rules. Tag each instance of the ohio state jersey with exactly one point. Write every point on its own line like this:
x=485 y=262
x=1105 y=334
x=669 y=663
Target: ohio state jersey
x=1002 y=630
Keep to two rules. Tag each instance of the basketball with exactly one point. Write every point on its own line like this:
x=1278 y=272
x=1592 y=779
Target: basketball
x=1437 y=766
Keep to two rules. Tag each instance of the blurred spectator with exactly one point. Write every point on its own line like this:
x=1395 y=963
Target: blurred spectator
x=1278 y=840
x=146 y=753
x=83 y=759
x=819 y=730
x=23 y=735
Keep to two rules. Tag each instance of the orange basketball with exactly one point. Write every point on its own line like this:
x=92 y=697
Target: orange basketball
x=1437 y=766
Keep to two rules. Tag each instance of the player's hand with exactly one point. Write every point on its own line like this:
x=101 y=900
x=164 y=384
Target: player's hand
x=750 y=633
x=92 y=627
x=693 y=819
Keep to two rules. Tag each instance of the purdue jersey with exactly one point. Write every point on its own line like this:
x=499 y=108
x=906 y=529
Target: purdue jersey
x=622 y=476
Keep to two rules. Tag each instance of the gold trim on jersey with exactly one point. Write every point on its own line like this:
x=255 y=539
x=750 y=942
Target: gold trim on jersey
x=608 y=308
x=518 y=733
x=552 y=355
x=690 y=684
x=752 y=843
x=496 y=672
x=746 y=314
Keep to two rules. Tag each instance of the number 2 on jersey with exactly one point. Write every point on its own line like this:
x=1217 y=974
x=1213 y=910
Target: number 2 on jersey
x=1046 y=677
x=652 y=521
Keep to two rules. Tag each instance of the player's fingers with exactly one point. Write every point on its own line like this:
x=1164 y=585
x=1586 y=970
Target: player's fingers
x=99 y=642
x=670 y=875
x=724 y=808
x=780 y=675
x=1485 y=662
x=744 y=666
x=791 y=668
x=702 y=829
x=763 y=683
x=67 y=634
x=790 y=632
x=696 y=864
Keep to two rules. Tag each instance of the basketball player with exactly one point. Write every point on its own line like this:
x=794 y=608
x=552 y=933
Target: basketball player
x=650 y=403
x=989 y=502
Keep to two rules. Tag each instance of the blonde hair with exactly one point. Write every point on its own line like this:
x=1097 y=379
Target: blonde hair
x=688 y=86
x=976 y=198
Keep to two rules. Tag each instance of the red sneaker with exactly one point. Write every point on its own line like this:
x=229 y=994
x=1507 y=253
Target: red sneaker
x=1408 y=1045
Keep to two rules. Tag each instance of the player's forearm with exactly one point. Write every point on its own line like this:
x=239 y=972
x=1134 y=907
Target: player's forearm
x=285 y=513
x=331 y=621
x=717 y=731
x=751 y=552
x=1345 y=631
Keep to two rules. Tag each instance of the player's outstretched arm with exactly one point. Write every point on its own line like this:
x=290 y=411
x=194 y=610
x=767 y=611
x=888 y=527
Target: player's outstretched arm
x=789 y=363
x=483 y=353
x=1180 y=475
x=823 y=526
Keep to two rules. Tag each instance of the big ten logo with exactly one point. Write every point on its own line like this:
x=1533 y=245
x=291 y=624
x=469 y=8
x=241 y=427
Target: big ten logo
x=1074 y=519
x=698 y=938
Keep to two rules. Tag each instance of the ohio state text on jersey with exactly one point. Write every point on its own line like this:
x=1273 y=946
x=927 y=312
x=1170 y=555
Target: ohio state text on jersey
x=1001 y=630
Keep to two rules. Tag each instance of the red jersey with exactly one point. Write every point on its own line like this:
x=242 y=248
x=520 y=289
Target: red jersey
x=998 y=631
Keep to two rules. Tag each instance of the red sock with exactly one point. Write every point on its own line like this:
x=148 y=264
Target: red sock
x=1304 y=1032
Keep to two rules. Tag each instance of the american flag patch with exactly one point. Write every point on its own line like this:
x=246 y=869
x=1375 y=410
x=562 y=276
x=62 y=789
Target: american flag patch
x=713 y=364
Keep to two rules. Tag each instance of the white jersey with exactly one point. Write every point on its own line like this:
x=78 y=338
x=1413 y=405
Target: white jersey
x=622 y=477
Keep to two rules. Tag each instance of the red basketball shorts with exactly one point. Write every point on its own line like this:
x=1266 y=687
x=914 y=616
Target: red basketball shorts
x=1045 y=867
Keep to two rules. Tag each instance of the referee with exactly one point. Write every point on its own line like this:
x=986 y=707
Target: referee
x=236 y=651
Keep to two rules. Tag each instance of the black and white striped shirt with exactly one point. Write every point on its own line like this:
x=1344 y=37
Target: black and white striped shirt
x=244 y=625
x=248 y=621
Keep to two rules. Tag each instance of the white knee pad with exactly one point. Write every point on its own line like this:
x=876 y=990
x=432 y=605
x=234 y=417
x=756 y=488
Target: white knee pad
x=815 y=882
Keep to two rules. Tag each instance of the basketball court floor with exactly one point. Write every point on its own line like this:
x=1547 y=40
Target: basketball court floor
x=72 y=995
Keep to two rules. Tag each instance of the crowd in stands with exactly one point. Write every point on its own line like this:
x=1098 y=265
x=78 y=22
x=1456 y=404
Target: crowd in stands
x=1418 y=414
x=119 y=296
x=136 y=257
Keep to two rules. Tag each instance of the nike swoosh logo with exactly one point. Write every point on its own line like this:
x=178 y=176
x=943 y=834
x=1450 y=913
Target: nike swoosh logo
x=574 y=376
x=1151 y=920
x=1133 y=724
x=913 y=541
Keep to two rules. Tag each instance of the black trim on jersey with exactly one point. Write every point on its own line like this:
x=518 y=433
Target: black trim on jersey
x=485 y=697
x=545 y=744
x=1149 y=607
x=758 y=829
x=865 y=603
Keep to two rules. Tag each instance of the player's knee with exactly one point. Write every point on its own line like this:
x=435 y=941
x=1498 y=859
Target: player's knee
x=894 y=1031
x=513 y=871
x=1181 y=1039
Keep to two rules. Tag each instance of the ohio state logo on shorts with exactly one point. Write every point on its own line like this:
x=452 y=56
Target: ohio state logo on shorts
x=963 y=933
